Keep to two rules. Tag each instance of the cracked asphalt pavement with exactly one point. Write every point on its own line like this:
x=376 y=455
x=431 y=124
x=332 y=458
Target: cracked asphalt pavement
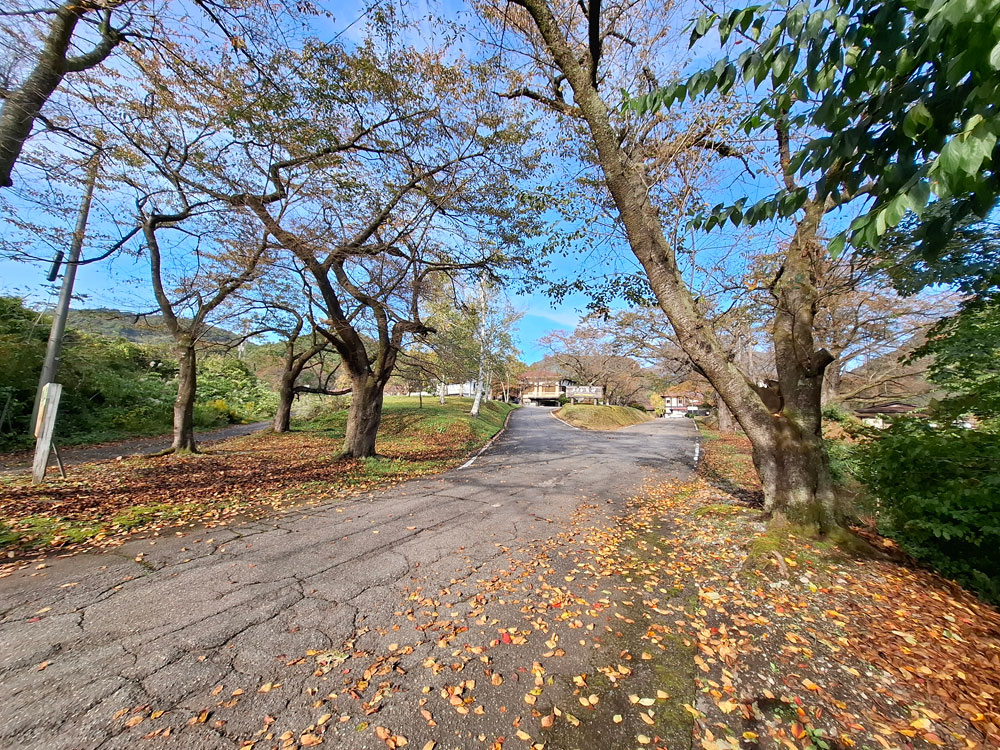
x=178 y=624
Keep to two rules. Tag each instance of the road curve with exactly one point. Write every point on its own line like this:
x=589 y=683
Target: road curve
x=160 y=623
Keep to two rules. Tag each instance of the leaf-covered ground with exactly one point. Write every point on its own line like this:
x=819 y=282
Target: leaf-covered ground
x=685 y=622
x=104 y=502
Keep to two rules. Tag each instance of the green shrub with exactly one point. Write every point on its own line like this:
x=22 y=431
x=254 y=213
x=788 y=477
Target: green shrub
x=845 y=460
x=228 y=381
x=837 y=413
x=939 y=488
x=214 y=413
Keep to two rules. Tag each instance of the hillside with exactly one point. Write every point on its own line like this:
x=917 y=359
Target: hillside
x=147 y=329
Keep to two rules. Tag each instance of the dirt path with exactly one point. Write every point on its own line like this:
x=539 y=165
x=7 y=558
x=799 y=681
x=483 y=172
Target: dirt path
x=134 y=446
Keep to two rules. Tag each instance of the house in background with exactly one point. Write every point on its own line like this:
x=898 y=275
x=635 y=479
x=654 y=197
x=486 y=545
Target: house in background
x=878 y=415
x=681 y=400
x=466 y=390
x=542 y=388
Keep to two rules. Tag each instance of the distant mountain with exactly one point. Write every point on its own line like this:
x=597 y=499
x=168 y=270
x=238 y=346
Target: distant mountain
x=147 y=329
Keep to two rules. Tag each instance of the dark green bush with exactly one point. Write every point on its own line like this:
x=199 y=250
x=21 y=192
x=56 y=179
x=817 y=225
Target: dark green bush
x=845 y=460
x=112 y=387
x=837 y=413
x=939 y=492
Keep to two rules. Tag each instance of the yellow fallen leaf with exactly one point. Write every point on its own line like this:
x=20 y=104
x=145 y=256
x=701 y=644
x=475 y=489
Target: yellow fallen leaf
x=647 y=718
x=922 y=724
x=310 y=740
x=728 y=706
x=647 y=702
x=642 y=739
x=617 y=719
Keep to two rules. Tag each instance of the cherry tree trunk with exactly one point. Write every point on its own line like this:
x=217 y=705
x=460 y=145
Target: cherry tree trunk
x=286 y=395
x=785 y=435
x=364 y=417
x=187 y=385
x=726 y=421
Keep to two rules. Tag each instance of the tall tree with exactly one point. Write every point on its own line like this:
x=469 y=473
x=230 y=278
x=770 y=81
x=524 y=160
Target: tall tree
x=48 y=41
x=23 y=101
x=783 y=421
x=422 y=187
x=187 y=305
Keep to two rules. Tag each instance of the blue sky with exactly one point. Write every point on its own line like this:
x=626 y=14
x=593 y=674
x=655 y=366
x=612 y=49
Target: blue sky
x=123 y=283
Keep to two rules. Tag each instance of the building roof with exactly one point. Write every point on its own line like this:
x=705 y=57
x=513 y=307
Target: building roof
x=530 y=375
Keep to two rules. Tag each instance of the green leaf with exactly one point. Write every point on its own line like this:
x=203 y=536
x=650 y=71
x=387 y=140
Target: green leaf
x=917 y=120
x=836 y=246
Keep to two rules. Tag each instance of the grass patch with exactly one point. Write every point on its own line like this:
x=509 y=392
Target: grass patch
x=104 y=502
x=719 y=509
x=601 y=417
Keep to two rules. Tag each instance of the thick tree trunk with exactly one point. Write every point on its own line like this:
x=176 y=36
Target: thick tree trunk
x=286 y=395
x=786 y=443
x=364 y=417
x=726 y=421
x=442 y=393
x=831 y=386
x=801 y=488
x=187 y=385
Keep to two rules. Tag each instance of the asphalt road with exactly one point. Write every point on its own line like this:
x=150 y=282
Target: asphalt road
x=180 y=623
x=71 y=455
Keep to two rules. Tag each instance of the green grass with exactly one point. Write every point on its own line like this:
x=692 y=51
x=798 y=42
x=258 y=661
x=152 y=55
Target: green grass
x=601 y=417
x=112 y=500
x=405 y=420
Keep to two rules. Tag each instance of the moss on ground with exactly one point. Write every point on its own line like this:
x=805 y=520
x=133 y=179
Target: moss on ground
x=720 y=509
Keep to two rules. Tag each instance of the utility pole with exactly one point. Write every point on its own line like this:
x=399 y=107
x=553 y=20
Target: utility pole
x=50 y=368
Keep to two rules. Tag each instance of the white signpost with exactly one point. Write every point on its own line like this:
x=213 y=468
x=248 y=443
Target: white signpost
x=44 y=426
